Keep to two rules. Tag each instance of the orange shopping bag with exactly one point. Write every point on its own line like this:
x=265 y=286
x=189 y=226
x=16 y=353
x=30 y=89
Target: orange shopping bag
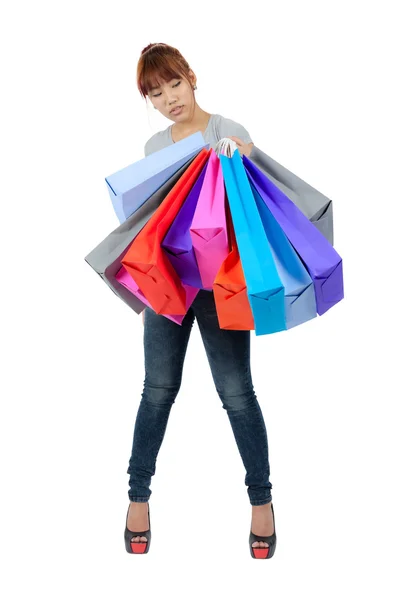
x=146 y=262
x=230 y=291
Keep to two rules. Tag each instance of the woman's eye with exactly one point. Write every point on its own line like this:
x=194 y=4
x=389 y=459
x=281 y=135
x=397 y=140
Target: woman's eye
x=176 y=85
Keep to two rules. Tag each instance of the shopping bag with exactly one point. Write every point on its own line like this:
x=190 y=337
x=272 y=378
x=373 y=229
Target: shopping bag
x=145 y=260
x=208 y=229
x=300 y=304
x=131 y=186
x=264 y=287
x=178 y=242
x=106 y=257
x=320 y=258
x=230 y=291
x=126 y=280
x=314 y=205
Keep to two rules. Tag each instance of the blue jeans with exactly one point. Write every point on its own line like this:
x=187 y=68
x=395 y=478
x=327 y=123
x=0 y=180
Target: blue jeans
x=228 y=354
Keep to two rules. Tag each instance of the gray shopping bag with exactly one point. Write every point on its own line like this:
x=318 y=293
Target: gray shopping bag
x=106 y=258
x=314 y=205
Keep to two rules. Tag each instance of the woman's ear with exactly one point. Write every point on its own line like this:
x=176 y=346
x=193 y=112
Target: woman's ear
x=192 y=77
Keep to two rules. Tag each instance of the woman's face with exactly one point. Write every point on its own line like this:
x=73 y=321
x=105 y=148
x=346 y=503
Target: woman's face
x=173 y=94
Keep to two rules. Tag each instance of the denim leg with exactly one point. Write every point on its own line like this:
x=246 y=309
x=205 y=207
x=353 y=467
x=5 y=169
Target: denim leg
x=165 y=345
x=228 y=353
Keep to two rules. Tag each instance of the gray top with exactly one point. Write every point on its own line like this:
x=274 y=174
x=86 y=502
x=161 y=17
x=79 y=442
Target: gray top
x=217 y=128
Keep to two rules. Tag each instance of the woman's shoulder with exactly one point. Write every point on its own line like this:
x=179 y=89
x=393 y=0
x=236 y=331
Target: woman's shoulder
x=227 y=127
x=157 y=141
x=221 y=127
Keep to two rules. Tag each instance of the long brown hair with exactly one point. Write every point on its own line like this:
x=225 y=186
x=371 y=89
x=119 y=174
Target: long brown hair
x=160 y=62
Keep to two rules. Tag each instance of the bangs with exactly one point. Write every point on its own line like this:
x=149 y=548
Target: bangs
x=157 y=69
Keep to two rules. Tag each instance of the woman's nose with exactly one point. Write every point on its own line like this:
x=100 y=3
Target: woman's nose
x=170 y=99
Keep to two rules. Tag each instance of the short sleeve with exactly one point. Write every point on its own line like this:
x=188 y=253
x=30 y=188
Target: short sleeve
x=147 y=149
x=152 y=144
x=157 y=142
x=228 y=128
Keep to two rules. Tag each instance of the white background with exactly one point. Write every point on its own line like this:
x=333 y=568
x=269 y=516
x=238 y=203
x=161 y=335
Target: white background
x=315 y=85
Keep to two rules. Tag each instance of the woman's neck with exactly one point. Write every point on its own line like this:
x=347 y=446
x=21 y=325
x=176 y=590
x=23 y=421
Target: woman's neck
x=197 y=122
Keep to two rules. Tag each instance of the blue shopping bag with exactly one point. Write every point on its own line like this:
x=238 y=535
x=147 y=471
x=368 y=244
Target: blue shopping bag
x=300 y=303
x=320 y=258
x=264 y=286
x=130 y=187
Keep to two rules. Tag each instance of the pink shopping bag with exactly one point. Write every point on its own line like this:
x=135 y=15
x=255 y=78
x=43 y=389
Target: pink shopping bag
x=208 y=230
x=129 y=283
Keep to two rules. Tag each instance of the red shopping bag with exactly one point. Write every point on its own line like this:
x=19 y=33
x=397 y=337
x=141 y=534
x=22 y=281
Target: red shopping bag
x=146 y=262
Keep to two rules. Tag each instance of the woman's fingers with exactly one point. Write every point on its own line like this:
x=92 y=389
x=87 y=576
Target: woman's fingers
x=237 y=140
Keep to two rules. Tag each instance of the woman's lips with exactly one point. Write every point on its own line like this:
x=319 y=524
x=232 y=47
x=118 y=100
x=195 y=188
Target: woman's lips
x=176 y=110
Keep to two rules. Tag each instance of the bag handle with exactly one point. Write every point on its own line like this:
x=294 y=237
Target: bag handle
x=226 y=147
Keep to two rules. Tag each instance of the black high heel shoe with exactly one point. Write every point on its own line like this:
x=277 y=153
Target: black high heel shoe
x=137 y=547
x=266 y=551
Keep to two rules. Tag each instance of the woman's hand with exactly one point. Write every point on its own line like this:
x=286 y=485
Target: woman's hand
x=242 y=147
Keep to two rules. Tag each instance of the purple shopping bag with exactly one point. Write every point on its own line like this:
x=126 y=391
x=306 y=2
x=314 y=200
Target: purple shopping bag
x=177 y=244
x=320 y=258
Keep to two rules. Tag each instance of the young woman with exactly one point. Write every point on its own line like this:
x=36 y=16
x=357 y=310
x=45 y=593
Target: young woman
x=166 y=78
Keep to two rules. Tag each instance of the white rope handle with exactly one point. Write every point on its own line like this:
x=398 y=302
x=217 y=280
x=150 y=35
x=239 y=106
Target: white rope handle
x=225 y=146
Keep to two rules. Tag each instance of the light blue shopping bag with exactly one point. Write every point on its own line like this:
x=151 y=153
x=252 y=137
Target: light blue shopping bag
x=130 y=187
x=300 y=303
x=320 y=258
x=264 y=286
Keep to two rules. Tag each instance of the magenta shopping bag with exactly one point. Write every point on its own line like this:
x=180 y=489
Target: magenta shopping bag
x=208 y=230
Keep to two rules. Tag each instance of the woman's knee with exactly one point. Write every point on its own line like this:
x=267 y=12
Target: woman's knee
x=236 y=398
x=160 y=394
